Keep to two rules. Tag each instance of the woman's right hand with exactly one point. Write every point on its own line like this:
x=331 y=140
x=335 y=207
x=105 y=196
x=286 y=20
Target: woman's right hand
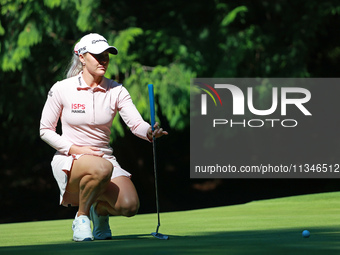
x=88 y=150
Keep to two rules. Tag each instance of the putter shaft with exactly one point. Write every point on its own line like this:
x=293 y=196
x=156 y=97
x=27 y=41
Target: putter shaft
x=156 y=181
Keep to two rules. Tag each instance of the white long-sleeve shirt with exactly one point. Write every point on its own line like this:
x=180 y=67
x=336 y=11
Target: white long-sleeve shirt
x=87 y=113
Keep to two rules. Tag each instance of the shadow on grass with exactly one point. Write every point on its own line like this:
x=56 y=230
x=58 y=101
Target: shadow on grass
x=129 y=237
x=285 y=241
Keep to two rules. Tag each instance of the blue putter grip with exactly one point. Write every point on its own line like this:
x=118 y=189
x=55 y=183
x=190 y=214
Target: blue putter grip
x=152 y=105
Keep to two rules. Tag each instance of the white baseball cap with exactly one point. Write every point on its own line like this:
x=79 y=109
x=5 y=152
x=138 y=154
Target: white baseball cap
x=95 y=44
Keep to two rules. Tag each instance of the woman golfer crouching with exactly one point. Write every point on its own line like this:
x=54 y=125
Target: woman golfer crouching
x=84 y=167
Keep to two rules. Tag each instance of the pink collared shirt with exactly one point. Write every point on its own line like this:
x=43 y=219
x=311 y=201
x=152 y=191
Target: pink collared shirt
x=87 y=113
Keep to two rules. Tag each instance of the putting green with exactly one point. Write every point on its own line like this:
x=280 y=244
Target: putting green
x=261 y=227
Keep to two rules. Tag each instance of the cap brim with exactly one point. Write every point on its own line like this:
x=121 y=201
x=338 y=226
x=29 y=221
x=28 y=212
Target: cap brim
x=110 y=49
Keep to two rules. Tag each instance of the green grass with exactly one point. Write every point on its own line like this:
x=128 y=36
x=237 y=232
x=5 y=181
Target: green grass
x=261 y=227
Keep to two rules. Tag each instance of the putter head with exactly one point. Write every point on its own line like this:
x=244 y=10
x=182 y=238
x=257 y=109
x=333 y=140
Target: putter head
x=160 y=236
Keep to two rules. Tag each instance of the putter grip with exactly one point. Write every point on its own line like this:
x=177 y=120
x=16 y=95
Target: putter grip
x=152 y=105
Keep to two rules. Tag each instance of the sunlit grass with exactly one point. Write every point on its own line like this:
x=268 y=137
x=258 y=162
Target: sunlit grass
x=260 y=227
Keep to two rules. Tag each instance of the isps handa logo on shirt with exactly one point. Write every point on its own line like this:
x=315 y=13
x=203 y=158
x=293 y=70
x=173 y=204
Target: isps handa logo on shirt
x=78 y=108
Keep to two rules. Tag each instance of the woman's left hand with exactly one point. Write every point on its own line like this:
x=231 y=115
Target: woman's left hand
x=158 y=132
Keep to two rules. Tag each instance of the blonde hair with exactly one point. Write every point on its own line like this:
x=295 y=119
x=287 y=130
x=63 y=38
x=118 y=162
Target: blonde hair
x=74 y=67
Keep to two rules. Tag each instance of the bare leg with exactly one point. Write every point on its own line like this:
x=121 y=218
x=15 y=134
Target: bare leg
x=119 y=198
x=90 y=176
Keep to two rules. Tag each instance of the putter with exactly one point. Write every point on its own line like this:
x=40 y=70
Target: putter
x=152 y=112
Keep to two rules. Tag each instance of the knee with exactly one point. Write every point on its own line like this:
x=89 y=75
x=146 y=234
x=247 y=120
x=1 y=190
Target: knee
x=129 y=209
x=103 y=172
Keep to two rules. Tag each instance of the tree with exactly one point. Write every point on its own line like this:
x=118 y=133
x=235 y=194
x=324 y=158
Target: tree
x=161 y=42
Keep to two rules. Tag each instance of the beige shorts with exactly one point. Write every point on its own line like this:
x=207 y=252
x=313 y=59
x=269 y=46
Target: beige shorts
x=61 y=164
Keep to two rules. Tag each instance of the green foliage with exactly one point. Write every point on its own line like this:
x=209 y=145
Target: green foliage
x=122 y=62
x=168 y=80
x=52 y=4
x=173 y=80
x=2 y=30
x=165 y=43
x=86 y=16
x=230 y=17
x=29 y=36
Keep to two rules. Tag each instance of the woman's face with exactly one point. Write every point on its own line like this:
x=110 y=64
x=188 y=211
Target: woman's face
x=96 y=64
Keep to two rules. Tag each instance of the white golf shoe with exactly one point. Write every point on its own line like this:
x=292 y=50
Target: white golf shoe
x=101 y=227
x=82 y=229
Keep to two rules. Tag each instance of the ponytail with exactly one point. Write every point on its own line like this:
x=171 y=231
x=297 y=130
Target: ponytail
x=75 y=67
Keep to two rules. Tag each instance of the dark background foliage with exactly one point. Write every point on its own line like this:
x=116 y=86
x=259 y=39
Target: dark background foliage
x=160 y=42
